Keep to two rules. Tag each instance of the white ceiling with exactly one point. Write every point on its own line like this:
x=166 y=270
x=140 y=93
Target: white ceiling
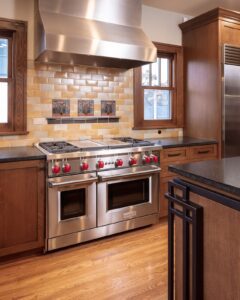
x=194 y=7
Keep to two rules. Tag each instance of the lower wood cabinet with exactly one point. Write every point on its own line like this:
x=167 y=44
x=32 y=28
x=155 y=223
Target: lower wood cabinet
x=204 y=243
x=22 y=198
x=180 y=155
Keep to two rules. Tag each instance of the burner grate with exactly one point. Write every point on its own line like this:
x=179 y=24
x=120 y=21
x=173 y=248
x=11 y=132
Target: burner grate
x=58 y=147
x=134 y=142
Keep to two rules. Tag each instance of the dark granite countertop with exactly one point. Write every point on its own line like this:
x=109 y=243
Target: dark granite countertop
x=181 y=142
x=20 y=153
x=222 y=174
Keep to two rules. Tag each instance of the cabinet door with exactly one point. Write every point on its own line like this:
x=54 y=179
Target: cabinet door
x=22 y=193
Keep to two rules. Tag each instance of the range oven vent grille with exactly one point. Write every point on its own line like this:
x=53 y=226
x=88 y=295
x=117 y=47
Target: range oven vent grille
x=231 y=55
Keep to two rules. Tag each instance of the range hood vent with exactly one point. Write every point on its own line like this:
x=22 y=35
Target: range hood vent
x=102 y=33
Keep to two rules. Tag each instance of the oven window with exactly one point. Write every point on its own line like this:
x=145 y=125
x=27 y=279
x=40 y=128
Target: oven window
x=73 y=204
x=128 y=193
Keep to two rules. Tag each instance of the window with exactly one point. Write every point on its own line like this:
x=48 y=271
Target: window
x=13 y=66
x=158 y=90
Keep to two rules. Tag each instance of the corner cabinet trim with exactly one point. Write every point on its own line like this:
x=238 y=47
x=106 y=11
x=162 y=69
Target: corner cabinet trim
x=190 y=213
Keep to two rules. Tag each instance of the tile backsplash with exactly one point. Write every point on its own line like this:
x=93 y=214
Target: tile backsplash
x=48 y=82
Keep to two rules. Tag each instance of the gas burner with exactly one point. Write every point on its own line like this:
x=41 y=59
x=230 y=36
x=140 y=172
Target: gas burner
x=134 y=142
x=59 y=147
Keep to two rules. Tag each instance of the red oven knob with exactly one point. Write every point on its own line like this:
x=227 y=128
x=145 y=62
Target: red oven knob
x=56 y=168
x=66 y=167
x=100 y=164
x=154 y=158
x=146 y=159
x=84 y=166
x=119 y=162
x=132 y=161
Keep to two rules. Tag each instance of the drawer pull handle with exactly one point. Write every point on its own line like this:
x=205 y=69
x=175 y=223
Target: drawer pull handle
x=203 y=152
x=174 y=154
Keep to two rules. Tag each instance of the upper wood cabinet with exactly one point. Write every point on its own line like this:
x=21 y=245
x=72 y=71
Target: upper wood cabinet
x=203 y=39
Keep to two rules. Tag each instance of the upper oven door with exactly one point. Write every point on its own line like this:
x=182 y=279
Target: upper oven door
x=71 y=204
x=129 y=195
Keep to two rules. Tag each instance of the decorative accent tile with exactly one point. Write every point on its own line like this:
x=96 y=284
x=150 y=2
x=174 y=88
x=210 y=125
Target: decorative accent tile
x=60 y=108
x=108 y=108
x=85 y=107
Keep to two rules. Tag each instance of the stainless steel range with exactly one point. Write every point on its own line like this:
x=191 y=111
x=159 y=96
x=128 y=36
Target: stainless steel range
x=97 y=188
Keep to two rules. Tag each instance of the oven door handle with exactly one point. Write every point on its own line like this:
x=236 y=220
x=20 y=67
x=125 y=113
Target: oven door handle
x=53 y=184
x=130 y=174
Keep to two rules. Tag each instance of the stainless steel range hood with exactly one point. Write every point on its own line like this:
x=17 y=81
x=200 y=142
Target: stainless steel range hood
x=103 y=33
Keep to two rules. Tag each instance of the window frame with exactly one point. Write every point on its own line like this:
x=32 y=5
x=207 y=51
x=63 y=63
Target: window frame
x=167 y=50
x=16 y=33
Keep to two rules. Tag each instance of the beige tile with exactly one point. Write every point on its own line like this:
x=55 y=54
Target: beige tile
x=67 y=69
x=67 y=81
x=54 y=80
x=91 y=82
x=80 y=82
x=47 y=82
x=60 y=74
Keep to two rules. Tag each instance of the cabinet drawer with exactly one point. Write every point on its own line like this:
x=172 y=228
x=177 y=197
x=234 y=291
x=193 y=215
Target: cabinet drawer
x=174 y=154
x=203 y=152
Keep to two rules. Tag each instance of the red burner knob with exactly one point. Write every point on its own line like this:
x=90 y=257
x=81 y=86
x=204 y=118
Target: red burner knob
x=66 y=168
x=146 y=159
x=84 y=166
x=154 y=158
x=56 y=168
x=100 y=164
x=119 y=163
x=132 y=161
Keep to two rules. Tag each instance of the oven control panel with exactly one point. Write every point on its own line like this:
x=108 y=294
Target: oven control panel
x=72 y=166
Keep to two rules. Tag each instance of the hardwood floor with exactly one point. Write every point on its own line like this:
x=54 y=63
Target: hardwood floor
x=132 y=265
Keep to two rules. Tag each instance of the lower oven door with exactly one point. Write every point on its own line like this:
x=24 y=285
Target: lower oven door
x=71 y=204
x=129 y=195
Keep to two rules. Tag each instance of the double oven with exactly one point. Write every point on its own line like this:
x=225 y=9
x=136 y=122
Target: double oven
x=88 y=206
x=96 y=188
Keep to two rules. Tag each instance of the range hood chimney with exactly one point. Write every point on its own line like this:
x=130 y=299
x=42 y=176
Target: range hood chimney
x=103 y=33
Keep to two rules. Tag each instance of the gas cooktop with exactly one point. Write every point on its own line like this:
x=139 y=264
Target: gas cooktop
x=60 y=147
x=78 y=157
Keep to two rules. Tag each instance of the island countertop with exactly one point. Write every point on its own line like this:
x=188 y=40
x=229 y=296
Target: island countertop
x=222 y=174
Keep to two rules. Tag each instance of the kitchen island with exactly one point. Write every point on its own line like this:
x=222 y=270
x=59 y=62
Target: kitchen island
x=204 y=240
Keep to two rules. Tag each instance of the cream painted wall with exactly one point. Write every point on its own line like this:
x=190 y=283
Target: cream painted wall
x=20 y=10
x=161 y=25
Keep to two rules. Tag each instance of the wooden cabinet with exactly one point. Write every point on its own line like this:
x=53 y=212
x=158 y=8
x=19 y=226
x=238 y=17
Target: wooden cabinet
x=204 y=243
x=22 y=195
x=180 y=155
x=203 y=38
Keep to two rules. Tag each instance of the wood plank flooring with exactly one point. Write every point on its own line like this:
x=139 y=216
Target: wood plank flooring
x=132 y=266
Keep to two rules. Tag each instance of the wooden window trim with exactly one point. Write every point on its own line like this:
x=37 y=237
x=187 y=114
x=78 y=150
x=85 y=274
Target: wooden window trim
x=16 y=32
x=177 y=87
